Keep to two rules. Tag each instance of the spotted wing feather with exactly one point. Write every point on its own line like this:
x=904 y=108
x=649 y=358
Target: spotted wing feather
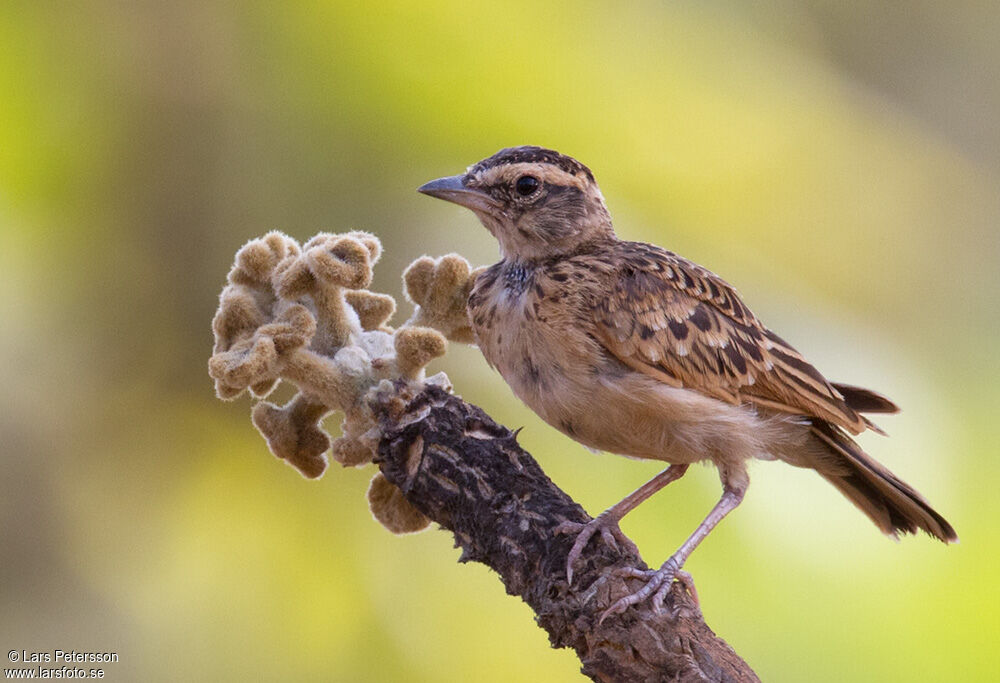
x=678 y=322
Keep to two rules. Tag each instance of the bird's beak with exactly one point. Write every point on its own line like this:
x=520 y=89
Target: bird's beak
x=451 y=189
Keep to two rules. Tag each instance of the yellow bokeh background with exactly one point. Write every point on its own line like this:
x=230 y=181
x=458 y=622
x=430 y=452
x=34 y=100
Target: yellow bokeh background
x=839 y=162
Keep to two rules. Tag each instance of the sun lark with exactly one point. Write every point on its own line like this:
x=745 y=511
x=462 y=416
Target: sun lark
x=629 y=348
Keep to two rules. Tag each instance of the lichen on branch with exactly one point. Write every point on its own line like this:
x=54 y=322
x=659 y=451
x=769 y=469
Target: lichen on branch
x=304 y=315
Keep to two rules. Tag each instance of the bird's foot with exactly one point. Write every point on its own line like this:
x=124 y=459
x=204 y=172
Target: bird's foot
x=610 y=532
x=657 y=586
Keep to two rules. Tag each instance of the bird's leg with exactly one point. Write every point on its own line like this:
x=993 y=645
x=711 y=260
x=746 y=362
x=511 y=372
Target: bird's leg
x=607 y=522
x=658 y=582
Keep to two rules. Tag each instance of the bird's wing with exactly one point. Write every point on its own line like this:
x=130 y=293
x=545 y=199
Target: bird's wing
x=671 y=319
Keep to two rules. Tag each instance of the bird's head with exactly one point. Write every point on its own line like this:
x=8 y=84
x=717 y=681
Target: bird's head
x=537 y=203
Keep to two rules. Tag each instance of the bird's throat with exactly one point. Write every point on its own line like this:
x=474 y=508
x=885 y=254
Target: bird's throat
x=517 y=275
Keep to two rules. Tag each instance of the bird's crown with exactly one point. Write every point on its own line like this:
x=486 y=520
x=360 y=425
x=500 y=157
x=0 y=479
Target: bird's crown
x=529 y=154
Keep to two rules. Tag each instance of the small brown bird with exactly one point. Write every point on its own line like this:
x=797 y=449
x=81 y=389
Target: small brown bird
x=629 y=348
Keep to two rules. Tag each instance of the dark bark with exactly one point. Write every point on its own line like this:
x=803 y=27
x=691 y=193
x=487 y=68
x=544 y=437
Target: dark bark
x=468 y=474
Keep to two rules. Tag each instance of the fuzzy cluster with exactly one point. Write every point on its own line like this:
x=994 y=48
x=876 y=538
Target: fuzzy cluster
x=303 y=314
x=440 y=290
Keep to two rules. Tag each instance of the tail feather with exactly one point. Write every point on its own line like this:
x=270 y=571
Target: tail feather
x=891 y=503
x=865 y=400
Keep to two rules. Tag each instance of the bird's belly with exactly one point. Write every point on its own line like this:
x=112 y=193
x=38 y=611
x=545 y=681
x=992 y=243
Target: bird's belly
x=607 y=406
x=544 y=365
x=585 y=400
x=572 y=383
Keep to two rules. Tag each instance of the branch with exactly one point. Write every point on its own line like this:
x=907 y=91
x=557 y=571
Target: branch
x=302 y=314
x=467 y=473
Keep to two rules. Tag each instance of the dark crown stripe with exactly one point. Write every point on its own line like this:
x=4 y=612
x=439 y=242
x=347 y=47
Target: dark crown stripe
x=531 y=155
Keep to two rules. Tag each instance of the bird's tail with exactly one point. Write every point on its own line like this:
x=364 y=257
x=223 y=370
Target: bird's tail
x=891 y=503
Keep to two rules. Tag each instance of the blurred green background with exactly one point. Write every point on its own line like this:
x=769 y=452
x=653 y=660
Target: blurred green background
x=839 y=162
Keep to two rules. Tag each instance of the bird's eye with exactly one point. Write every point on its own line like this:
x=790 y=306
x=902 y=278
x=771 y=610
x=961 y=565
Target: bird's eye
x=526 y=185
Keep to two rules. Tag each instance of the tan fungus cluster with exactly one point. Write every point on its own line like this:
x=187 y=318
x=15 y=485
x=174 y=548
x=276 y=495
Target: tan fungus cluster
x=303 y=314
x=440 y=290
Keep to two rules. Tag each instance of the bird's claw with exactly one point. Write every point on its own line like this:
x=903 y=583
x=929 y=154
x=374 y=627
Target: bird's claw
x=657 y=586
x=611 y=534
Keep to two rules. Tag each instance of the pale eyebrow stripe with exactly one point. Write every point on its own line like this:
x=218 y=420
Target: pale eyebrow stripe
x=545 y=172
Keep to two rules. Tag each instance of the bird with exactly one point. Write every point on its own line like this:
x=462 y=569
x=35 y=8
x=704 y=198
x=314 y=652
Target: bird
x=631 y=349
